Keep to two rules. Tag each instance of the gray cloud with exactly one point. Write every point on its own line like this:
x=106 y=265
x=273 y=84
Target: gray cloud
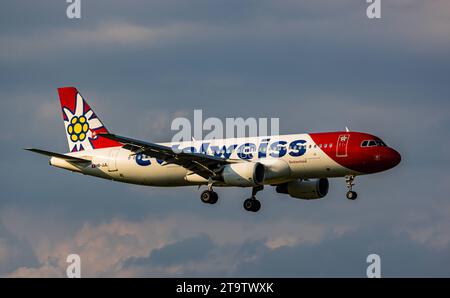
x=346 y=256
x=187 y=250
x=150 y=247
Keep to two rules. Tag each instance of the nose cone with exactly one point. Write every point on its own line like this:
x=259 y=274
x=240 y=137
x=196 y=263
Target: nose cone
x=392 y=158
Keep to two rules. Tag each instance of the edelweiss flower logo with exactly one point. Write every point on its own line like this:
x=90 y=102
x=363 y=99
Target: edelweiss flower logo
x=78 y=128
x=81 y=125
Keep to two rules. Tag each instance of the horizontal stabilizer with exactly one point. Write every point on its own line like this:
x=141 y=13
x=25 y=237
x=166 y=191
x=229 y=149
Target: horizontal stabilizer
x=59 y=155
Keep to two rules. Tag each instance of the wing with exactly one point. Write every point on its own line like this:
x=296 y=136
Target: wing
x=67 y=158
x=204 y=165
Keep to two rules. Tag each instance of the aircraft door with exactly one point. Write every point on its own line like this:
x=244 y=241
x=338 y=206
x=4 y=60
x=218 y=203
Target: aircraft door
x=112 y=160
x=342 y=144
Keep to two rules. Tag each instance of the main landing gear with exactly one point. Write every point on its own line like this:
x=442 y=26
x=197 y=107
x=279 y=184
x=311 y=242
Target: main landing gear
x=351 y=195
x=209 y=196
x=252 y=204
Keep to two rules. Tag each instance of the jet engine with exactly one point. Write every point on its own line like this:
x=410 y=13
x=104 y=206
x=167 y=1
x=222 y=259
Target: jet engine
x=277 y=171
x=305 y=189
x=243 y=174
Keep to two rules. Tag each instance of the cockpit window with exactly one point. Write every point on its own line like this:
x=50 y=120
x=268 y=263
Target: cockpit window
x=380 y=143
x=373 y=143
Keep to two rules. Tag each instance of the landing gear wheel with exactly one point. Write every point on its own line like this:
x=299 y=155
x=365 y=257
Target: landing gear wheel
x=214 y=197
x=205 y=196
x=257 y=206
x=209 y=196
x=351 y=195
x=252 y=204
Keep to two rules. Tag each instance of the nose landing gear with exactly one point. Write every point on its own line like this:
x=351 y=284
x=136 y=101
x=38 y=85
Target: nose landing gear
x=351 y=195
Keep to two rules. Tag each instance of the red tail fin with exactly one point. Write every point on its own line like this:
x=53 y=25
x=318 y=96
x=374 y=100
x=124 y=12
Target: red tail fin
x=81 y=123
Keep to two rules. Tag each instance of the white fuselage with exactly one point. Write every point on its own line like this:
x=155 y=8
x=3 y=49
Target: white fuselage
x=286 y=157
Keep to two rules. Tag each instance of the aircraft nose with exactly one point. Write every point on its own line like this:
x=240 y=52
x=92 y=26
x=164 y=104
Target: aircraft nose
x=393 y=157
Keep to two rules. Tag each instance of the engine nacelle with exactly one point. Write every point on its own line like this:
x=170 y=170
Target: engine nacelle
x=277 y=171
x=305 y=189
x=244 y=174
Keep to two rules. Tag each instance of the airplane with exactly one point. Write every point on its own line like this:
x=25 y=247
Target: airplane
x=297 y=164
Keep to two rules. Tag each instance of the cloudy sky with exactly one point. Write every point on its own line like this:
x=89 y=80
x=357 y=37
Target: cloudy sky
x=317 y=65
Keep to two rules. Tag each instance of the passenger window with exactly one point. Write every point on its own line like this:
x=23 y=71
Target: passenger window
x=331 y=145
x=325 y=146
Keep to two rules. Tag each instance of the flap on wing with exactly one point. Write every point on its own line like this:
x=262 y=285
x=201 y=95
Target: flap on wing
x=59 y=155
